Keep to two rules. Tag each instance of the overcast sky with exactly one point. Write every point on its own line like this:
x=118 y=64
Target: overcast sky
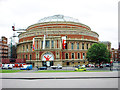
x=100 y=15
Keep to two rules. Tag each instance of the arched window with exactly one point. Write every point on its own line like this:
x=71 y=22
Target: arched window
x=77 y=45
x=66 y=55
x=26 y=57
x=87 y=45
x=83 y=55
x=30 y=57
x=52 y=44
x=82 y=45
x=78 y=55
x=72 y=55
x=72 y=46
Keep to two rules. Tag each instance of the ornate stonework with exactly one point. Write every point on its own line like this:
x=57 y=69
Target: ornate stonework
x=78 y=35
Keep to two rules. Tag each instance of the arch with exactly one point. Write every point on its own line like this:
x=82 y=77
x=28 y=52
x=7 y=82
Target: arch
x=47 y=56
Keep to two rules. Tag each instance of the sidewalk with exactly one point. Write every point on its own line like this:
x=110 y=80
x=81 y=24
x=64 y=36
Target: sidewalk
x=113 y=74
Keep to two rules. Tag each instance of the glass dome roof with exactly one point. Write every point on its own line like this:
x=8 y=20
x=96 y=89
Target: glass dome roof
x=57 y=18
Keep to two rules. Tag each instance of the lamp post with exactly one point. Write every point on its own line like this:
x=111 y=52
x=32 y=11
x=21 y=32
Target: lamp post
x=111 y=65
x=37 y=61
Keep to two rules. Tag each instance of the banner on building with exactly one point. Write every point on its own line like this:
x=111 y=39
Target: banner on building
x=33 y=44
x=63 y=41
x=44 y=41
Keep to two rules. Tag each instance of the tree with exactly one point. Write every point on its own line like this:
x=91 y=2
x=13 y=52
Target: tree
x=98 y=53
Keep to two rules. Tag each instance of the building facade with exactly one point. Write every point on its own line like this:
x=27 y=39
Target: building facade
x=115 y=54
x=79 y=38
x=3 y=47
x=107 y=43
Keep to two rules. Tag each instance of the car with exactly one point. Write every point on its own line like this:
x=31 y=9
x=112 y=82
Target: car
x=26 y=67
x=91 y=65
x=5 y=66
x=107 y=65
x=54 y=67
x=42 y=68
x=80 y=69
x=10 y=66
x=59 y=67
x=101 y=65
x=83 y=66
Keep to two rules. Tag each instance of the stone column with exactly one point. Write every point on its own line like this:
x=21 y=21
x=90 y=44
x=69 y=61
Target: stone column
x=40 y=44
x=60 y=44
x=80 y=45
x=75 y=46
x=54 y=43
x=85 y=46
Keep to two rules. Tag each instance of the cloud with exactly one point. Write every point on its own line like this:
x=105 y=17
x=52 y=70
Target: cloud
x=100 y=15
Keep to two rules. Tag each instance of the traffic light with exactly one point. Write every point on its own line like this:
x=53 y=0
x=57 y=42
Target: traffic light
x=13 y=28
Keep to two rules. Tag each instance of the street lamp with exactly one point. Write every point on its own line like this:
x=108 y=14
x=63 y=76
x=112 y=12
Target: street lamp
x=37 y=61
x=111 y=65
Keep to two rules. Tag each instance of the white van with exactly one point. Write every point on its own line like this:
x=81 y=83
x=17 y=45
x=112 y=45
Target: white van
x=5 y=66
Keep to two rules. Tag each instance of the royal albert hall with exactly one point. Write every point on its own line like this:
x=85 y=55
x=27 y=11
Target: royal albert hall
x=58 y=40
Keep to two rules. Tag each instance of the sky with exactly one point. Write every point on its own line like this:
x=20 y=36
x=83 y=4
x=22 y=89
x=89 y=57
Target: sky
x=100 y=15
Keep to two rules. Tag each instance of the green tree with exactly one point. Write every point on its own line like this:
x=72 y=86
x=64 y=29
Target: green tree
x=98 y=53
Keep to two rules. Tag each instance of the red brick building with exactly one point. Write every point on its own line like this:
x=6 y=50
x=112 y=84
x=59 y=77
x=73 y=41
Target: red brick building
x=79 y=38
x=3 y=47
x=115 y=54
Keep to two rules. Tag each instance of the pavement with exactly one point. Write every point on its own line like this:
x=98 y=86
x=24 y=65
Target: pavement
x=60 y=80
x=29 y=79
x=113 y=74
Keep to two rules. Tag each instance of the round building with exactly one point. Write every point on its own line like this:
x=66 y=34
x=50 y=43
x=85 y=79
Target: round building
x=58 y=40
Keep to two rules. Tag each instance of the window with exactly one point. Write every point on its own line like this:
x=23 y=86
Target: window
x=87 y=45
x=30 y=57
x=82 y=45
x=72 y=55
x=27 y=47
x=66 y=55
x=37 y=56
x=65 y=45
x=42 y=45
x=52 y=44
x=23 y=56
x=83 y=55
x=77 y=45
x=78 y=55
x=73 y=62
x=47 y=44
x=72 y=46
x=23 y=48
x=26 y=57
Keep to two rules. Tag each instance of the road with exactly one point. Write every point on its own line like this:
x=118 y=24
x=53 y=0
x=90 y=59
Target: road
x=59 y=80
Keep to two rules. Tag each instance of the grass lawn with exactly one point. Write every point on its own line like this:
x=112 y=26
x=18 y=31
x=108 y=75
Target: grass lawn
x=11 y=71
x=50 y=71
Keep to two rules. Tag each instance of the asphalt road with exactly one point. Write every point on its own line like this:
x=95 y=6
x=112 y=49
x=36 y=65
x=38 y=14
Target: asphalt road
x=85 y=80
x=61 y=83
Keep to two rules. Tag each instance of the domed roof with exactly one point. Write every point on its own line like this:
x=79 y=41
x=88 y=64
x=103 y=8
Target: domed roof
x=58 y=18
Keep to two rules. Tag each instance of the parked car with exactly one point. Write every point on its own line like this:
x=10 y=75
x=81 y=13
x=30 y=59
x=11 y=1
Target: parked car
x=59 y=67
x=90 y=65
x=80 y=69
x=107 y=65
x=10 y=66
x=54 y=67
x=5 y=66
x=42 y=68
x=83 y=66
x=101 y=65
x=26 y=67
